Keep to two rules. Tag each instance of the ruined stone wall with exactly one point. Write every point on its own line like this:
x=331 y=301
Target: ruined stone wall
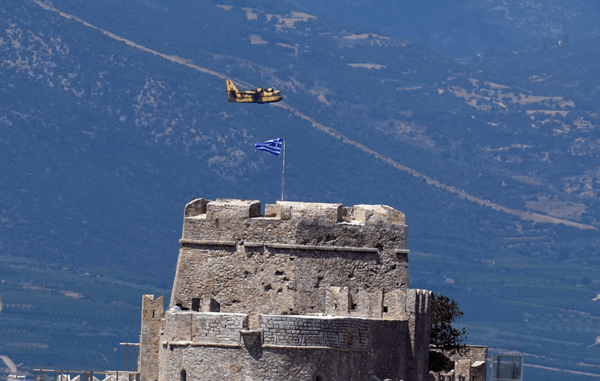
x=478 y=371
x=285 y=261
x=470 y=364
x=472 y=352
x=150 y=337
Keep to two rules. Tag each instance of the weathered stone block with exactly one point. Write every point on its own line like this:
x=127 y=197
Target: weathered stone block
x=218 y=327
x=378 y=214
x=337 y=301
x=195 y=208
x=368 y=304
x=178 y=326
x=232 y=209
x=394 y=305
x=326 y=214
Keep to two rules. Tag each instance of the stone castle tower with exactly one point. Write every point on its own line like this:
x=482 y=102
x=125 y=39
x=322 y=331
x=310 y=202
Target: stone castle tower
x=303 y=292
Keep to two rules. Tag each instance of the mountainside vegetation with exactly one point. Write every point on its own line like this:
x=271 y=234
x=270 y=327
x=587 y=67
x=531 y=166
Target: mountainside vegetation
x=466 y=28
x=113 y=115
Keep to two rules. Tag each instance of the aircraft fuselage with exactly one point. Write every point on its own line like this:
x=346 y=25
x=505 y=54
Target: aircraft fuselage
x=259 y=95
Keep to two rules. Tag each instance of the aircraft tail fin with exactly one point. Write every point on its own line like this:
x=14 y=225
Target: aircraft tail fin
x=232 y=91
x=230 y=85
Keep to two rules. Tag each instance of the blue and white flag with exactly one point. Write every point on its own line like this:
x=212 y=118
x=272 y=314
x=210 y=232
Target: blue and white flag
x=272 y=146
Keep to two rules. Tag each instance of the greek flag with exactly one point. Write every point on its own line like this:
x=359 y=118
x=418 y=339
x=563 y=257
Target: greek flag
x=272 y=146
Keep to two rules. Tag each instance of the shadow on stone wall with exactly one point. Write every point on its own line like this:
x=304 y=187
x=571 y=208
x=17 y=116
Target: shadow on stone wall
x=438 y=362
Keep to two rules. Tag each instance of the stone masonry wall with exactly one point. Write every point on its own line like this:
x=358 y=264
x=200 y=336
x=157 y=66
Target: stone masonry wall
x=306 y=331
x=384 y=358
x=237 y=364
x=285 y=261
x=189 y=327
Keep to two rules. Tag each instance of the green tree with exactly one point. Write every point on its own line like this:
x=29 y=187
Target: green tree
x=444 y=312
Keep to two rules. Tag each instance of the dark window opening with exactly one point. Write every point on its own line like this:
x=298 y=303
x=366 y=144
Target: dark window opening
x=215 y=306
x=182 y=375
x=385 y=309
x=196 y=304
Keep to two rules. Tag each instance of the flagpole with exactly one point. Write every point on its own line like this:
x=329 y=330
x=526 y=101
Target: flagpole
x=283 y=172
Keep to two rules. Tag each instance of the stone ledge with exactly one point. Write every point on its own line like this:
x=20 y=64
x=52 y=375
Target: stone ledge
x=184 y=241
x=402 y=251
x=197 y=344
x=271 y=346
x=251 y=332
x=321 y=248
x=254 y=244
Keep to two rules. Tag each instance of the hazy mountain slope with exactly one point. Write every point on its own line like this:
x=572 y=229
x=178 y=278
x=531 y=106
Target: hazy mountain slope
x=105 y=139
x=567 y=70
x=466 y=28
x=400 y=110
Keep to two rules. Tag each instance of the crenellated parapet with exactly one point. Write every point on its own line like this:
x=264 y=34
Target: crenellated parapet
x=418 y=304
x=240 y=221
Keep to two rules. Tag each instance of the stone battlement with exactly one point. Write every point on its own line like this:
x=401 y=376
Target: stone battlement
x=286 y=210
x=239 y=222
x=189 y=328
x=343 y=319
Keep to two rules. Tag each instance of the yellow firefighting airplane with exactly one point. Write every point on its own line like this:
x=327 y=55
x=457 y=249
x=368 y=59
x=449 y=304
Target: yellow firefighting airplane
x=252 y=96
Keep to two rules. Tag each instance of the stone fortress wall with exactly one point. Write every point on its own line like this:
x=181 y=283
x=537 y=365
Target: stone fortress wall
x=305 y=291
x=470 y=364
x=204 y=328
x=309 y=331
